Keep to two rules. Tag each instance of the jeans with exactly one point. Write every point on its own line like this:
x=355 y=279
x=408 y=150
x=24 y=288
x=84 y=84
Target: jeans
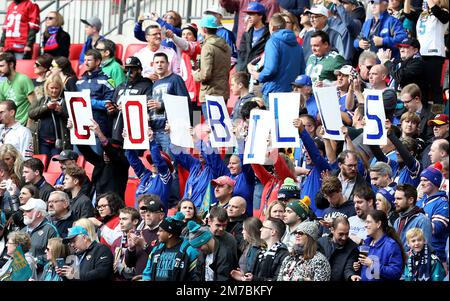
x=48 y=149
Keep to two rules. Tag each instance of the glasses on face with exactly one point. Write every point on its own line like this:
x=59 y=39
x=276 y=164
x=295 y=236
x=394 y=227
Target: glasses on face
x=168 y=17
x=407 y=101
x=267 y=227
x=101 y=207
x=100 y=49
x=351 y=165
x=49 y=18
x=11 y=243
x=37 y=65
x=54 y=202
x=300 y=233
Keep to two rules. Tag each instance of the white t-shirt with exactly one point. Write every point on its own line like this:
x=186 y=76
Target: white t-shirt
x=20 y=137
x=145 y=55
x=357 y=227
x=209 y=273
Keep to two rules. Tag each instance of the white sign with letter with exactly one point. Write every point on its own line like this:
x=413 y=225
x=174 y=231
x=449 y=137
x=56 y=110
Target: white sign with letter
x=219 y=122
x=284 y=108
x=330 y=113
x=80 y=112
x=135 y=121
x=177 y=110
x=374 y=130
x=258 y=133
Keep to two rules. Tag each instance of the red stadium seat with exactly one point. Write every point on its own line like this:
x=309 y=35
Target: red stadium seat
x=132 y=49
x=81 y=161
x=51 y=177
x=130 y=192
x=119 y=51
x=88 y=168
x=26 y=67
x=54 y=166
x=43 y=158
x=36 y=51
x=75 y=66
x=75 y=51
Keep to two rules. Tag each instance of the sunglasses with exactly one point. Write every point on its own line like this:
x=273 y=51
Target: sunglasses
x=100 y=49
x=299 y=233
x=49 y=18
x=37 y=64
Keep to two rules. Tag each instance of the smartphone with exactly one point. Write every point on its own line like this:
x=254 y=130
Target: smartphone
x=137 y=232
x=60 y=262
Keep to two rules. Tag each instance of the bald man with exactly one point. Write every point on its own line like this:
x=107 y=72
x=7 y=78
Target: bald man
x=236 y=217
x=438 y=150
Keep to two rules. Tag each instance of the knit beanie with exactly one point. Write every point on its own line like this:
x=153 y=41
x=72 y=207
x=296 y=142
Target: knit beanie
x=289 y=190
x=433 y=175
x=300 y=207
x=198 y=235
x=173 y=224
x=388 y=193
x=309 y=228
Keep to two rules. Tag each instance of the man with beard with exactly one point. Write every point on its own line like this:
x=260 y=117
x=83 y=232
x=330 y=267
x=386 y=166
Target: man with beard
x=410 y=215
x=59 y=212
x=134 y=84
x=17 y=87
x=364 y=201
x=20 y=28
x=39 y=228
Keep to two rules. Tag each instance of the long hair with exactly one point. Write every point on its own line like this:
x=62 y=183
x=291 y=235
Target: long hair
x=65 y=66
x=15 y=170
x=252 y=226
x=380 y=216
x=196 y=218
x=53 y=79
x=58 y=249
x=309 y=249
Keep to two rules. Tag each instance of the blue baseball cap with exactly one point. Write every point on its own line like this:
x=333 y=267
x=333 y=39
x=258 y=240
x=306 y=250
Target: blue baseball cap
x=209 y=21
x=74 y=232
x=302 y=80
x=255 y=7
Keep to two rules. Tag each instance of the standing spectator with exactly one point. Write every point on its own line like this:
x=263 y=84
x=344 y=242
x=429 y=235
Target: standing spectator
x=340 y=250
x=42 y=65
x=296 y=212
x=59 y=212
x=281 y=49
x=100 y=265
x=239 y=87
x=217 y=222
x=386 y=258
x=92 y=28
x=276 y=209
x=236 y=216
x=217 y=261
x=9 y=192
x=348 y=174
x=33 y=170
x=410 y=215
x=56 y=249
x=364 y=201
x=382 y=31
x=56 y=41
x=50 y=112
x=107 y=220
x=101 y=90
x=12 y=132
x=435 y=204
x=240 y=7
x=214 y=63
x=145 y=55
x=27 y=192
x=39 y=228
x=109 y=65
x=17 y=87
x=381 y=176
x=366 y=61
x=403 y=71
x=323 y=61
x=386 y=203
x=303 y=85
x=305 y=262
x=253 y=244
x=438 y=150
x=80 y=204
x=20 y=28
x=62 y=67
x=65 y=158
x=253 y=41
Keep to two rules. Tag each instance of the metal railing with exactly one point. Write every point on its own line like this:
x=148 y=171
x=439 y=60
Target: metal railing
x=115 y=14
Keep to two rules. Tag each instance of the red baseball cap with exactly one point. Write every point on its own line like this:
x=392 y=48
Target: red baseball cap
x=223 y=180
x=439 y=119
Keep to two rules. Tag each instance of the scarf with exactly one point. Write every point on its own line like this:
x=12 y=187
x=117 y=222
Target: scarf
x=404 y=218
x=51 y=43
x=419 y=265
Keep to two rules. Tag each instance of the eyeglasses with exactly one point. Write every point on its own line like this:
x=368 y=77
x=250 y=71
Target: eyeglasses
x=37 y=65
x=101 y=207
x=299 y=233
x=351 y=165
x=11 y=243
x=168 y=17
x=49 y=18
x=267 y=227
x=100 y=49
x=407 y=101
x=55 y=201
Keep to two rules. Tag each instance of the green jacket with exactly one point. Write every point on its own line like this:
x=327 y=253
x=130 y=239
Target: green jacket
x=114 y=70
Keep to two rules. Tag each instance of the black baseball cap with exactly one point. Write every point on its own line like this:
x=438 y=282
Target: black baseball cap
x=133 y=61
x=153 y=206
x=409 y=42
x=66 y=154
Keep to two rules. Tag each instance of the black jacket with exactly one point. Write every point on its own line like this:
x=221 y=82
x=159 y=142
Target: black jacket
x=63 y=225
x=407 y=71
x=107 y=177
x=81 y=206
x=267 y=267
x=97 y=263
x=341 y=260
x=44 y=189
x=229 y=241
x=235 y=228
x=63 y=39
x=247 y=53
x=425 y=131
x=224 y=262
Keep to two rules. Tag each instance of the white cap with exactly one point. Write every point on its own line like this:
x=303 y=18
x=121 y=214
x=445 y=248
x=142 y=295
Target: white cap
x=318 y=10
x=215 y=9
x=34 y=204
x=346 y=70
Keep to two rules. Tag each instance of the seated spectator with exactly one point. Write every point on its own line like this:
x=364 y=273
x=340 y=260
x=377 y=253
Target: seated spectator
x=56 y=41
x=12 y=132
x=110 y=65
x=80 y=204
x=87 y=224
x=107 y=217
x=56 y=250
x=22 y=240
x=438 y=150
x=100 y=265
x=59 y=212
x=422 y=264
x=61 y=66
x=65 y=158
x=305 y=262
x=385 y=245
x=13 y=160
x=92 y=28
x=340 y=250
x=381 y=176
x=440 y=131
x=33 y=170
x=51 y=115
x=41 y=67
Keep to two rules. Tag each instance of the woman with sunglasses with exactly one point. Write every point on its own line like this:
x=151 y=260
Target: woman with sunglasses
x=56 y=41
x=41 y=68
x=56 y=253
x=62 y=67
x=305 y=262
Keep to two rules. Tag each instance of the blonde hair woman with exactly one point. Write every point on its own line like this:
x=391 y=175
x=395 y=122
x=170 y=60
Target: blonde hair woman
x=56 y=41
x=56 y=251
x=13 y=158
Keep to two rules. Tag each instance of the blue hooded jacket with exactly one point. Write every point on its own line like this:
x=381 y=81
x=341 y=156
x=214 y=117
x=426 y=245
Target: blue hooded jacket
x=284 y=61
x=436 y=209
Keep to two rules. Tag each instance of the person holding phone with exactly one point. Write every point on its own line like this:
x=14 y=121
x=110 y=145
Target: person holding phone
x=57 y=253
